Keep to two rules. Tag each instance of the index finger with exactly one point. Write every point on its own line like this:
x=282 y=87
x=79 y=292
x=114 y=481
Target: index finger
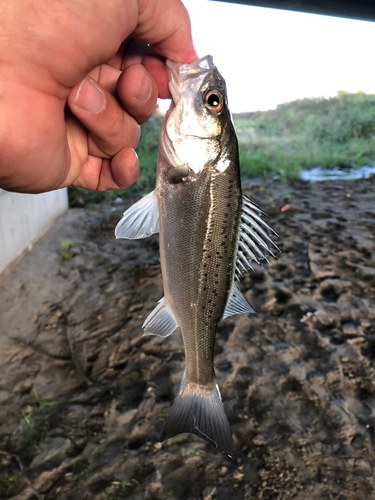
x=165 y=26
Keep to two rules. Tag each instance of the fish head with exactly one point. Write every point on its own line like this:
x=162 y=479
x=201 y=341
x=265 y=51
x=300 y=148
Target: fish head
x=198 y=122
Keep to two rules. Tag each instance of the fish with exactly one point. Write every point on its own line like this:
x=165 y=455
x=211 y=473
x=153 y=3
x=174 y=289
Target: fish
x=210 y=233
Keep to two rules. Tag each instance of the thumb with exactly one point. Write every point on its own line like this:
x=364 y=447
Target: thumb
x=165 y=26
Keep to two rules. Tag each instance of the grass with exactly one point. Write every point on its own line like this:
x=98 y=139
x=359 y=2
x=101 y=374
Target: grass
x=34 y=425
x=295 y=136
x=307 y=133
x=12 y=486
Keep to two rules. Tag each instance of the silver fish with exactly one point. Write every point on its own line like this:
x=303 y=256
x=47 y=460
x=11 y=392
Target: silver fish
x=209 y=235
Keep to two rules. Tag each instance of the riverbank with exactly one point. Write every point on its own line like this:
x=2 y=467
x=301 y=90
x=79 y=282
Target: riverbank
x=83 y=396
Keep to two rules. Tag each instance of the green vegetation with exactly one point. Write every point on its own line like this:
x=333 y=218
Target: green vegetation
x=194 y=452
x=307 y=133
x=148 y=153
x=12 y=486
x=66 y=246
x=34 y=424
x=295 y=136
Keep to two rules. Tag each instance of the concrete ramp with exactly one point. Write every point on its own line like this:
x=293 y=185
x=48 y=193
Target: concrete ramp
x=24 y=218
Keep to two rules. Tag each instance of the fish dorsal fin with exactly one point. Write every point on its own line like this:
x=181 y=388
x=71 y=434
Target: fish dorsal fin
x=160 y=321
x=254 y=238
x=237 y=303
x=140 y=220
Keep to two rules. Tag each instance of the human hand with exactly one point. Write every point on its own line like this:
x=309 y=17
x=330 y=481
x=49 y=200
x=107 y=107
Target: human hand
x=75 y=86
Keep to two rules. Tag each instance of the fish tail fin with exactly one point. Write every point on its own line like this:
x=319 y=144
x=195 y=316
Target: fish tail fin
x=200 y=412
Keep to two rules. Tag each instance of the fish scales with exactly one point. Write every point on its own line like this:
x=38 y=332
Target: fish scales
x=209 y=235
x=202 y=257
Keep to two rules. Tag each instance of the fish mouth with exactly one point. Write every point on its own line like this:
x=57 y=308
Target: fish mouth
x=185 y=81
x=187 y=77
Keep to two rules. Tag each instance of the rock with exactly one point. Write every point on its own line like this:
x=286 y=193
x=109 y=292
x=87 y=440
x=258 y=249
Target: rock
x=154 y=491
x=52 y=451
x=322 y=320
x=5 y=396
x=23 y=386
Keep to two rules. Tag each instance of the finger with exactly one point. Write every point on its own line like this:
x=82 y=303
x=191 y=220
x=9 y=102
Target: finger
x=125 y=168
x=111 y=127
x=106 y=76
x=165 y=26
x=156 y=67
x=138 y=92
x=134 y=52
x=99 y=174
x=92 y=172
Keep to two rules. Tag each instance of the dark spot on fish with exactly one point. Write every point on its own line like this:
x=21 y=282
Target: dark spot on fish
x=216 y=275
x=178 y=174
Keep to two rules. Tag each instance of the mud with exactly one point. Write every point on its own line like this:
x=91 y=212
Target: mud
x=83 y=396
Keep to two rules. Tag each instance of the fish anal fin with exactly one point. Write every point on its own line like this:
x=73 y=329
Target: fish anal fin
x=237 y=304
x=200 y=412
x=160 y=321
x=140 y=220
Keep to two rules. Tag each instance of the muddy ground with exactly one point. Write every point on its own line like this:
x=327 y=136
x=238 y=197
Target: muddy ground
x=83 y=396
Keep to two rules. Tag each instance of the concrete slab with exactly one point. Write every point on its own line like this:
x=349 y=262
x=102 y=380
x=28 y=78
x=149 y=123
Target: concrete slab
x=24 y=218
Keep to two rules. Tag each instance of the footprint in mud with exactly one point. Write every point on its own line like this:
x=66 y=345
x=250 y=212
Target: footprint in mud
x=330 y=290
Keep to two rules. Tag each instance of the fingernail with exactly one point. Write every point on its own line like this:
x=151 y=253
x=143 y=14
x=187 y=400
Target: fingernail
x=145 y=89
x=89 y=96
x=134 y=167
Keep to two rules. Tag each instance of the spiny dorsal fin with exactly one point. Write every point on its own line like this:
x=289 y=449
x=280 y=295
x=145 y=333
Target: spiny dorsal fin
x=254 y=242
x=140 y=220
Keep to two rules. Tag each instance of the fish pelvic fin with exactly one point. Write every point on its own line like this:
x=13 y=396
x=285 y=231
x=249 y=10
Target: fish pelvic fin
x=200 y=411
x=160 y=321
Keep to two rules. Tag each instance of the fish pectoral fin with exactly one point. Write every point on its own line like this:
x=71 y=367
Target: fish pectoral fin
x=237 y=304
x=201 y=413
x=160 y=321
x=140 y=220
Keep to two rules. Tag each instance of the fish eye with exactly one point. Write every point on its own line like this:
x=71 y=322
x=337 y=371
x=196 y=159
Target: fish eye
x=214 y=101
